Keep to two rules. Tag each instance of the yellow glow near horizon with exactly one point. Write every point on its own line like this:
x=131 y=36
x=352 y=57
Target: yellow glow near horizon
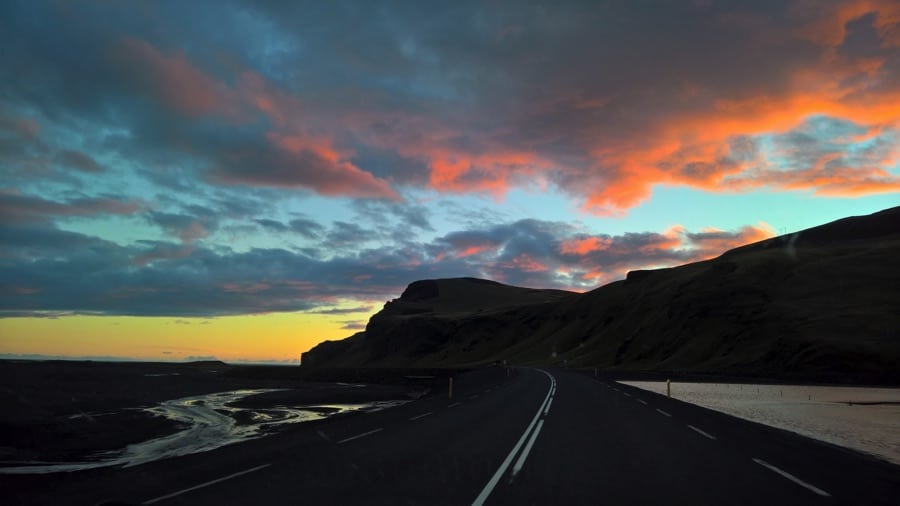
x=262 y=337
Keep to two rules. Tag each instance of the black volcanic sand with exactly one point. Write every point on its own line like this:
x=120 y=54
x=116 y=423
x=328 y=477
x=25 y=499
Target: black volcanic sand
x=66 y=410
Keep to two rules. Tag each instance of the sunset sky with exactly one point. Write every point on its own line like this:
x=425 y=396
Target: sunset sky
x=242 y=180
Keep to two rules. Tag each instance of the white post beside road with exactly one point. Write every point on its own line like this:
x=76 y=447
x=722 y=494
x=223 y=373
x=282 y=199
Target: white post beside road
x=668 y=388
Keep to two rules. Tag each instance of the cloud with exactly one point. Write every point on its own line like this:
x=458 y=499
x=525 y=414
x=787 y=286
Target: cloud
x=306 y=227
x=171 y=80
x=343 y=234
x=17 y=207
x=483 y=99
x=275 y=226
x=188 y=228
x=79 y=161
x=44 y=271
x=354 y=325
x=348 y=310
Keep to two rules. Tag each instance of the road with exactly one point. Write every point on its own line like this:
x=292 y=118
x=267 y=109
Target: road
x=535 y=437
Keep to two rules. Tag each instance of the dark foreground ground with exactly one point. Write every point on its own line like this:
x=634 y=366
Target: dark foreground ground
x=65 y=410
x=529 y=436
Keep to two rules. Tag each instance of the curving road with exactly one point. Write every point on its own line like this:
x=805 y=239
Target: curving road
x=535 y=437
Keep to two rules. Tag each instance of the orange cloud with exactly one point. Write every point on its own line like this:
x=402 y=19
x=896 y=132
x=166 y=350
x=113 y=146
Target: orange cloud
x=712 y=242
x=829 y=24
x=526 y=263
x=473 y=250
x=585 y=246
x=695 y=148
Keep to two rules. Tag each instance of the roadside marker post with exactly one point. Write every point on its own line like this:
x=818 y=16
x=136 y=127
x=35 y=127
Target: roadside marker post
x=450 y=389
x=668 y=388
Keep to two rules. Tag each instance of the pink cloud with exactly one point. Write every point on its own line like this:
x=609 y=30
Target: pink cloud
x=170 y=79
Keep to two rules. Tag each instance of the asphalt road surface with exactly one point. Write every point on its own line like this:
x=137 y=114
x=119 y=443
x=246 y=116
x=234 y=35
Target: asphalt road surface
x=535 y=437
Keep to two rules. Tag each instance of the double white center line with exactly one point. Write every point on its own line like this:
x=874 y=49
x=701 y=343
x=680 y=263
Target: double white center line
x=530 y=435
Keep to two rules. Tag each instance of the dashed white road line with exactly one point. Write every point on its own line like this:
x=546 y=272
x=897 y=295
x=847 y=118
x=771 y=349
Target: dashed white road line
x=701 y=432
x=616 y=389
x=642 y=401
x=423 y=415
x=364 y=434
x=793 y=478
x=663 y=412
x=454 y=404
x=205 y=484
x=627 y=394
x=473 y=396
x=549 y=402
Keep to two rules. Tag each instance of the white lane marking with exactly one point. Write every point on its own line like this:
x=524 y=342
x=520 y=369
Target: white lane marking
x=473 y=396
x=791 y=477
x=616 y=389
x=454 y=404
x=423 y=415
x=521 y=460
x=663 y=413
x=489 y=486
x=548 y=406
x=364 y=434
x=205 y=484
x=701 y=432
x=642 y=401
x=627 y=394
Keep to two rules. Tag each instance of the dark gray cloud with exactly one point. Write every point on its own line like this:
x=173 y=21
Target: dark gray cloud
x=343 y=234
x=79 y=161
x=347 y=310
x=274 y=226
x=307 y=228
x=20 y=208
x=187 y=227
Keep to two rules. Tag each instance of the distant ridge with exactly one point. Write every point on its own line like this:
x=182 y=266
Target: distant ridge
x=822 y=303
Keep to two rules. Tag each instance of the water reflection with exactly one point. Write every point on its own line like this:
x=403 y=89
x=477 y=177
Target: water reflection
x=210 y=421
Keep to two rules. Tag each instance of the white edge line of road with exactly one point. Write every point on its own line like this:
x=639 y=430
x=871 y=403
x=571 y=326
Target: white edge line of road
x=489 y=487
x=364 y=434
x=793 y=478
x=206 y=484
x=423 y=415
x=702 y=432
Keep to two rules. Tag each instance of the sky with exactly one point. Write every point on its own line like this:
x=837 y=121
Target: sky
x=242 y=180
